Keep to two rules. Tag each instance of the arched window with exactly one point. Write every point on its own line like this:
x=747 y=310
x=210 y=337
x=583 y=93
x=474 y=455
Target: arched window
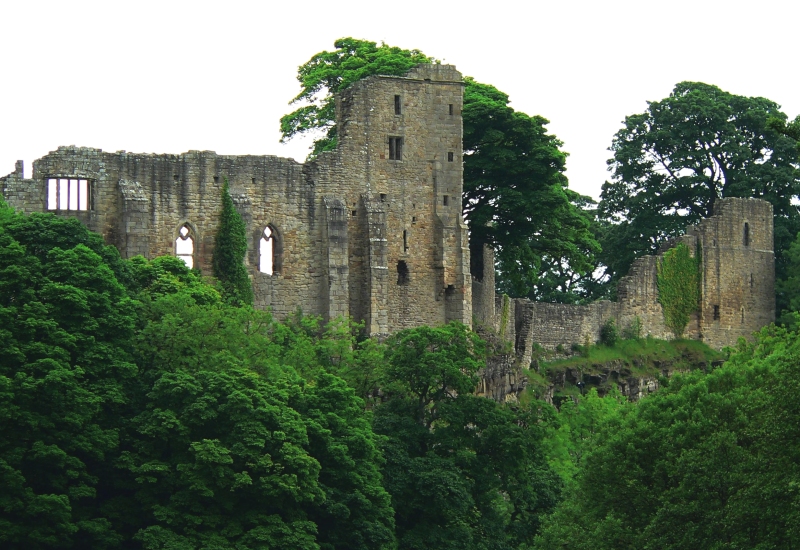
x=184 y=245
x=266 y=252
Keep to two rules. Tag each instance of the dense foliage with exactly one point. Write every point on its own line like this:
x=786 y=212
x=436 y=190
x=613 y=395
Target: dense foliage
x=230 y=248
x=674 y=161
x=708 y=462
x=515 y=192
x=141 y=409
x=678 y=276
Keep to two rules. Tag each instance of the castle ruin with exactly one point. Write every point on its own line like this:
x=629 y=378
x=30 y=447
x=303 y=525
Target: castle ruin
x=374 y=230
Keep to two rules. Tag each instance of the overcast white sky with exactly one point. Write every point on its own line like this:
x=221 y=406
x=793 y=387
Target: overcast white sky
x=168 y=76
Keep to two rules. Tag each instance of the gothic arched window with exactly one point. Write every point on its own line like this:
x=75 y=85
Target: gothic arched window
x=266 y=252
x=184 y=245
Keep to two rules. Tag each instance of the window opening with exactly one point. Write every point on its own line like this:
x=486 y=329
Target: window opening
x=67 y=194
x=405 y=239
x=266 y=250
x=751 y=280
x=383 y=197
x=742 y=314
x=402 y=273
x=397 y=105
x=184 y=246
x=355 y=213
x=253 y=180
x=413 y=219
x=216 y=179
x=746 y=234
x=450 y=156
x=395 y=148
x=451 y=108
x=445 y=200
x=175 y=177
x=716 y=313
x=450 y=290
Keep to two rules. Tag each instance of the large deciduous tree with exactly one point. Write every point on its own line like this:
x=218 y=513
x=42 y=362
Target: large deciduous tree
x=516 y=199
x=673 y=162
x=464 y=472
x=515 y=191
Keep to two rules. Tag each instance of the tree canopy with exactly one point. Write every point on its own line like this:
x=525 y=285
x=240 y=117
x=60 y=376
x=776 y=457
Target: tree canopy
x=674 y=161
x=516 y=197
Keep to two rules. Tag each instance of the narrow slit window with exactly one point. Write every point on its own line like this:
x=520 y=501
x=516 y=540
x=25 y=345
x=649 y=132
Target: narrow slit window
x=450 y=156
x=451 y=109
x=266 y=250
x=445 y=200
x=397 y=105
x=68 y=194
x=395 y=148
x=716 y=313
x=405 y=239
x=184 y=246
x=746 y=238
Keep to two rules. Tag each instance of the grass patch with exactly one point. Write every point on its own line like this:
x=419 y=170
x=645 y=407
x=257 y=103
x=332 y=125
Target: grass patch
x=642 y=357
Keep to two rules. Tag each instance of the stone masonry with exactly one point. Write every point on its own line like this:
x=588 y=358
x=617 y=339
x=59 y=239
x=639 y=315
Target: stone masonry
x=737 y=290
x=372 y=230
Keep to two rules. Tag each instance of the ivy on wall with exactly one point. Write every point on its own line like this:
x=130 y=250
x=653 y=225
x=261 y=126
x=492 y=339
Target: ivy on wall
x=679 y=286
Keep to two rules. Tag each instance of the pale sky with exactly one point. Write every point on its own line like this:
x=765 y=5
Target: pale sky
x=170 y=76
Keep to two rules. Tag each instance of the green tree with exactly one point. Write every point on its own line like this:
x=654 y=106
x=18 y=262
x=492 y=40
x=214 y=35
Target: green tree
x=708 y=462
x=678 y=276
x=330 y=72
x=214 y=373
x=230 y=248
x=65 y=329
x=463 y=471
x=515 y=192
x=516 y=199
x=674 y=161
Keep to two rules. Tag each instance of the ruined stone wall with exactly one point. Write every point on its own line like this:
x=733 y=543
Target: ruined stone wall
x=356 y=233
x=737 y=289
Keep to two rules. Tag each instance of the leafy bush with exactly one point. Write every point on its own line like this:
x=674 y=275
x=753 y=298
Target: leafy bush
x=609 y=335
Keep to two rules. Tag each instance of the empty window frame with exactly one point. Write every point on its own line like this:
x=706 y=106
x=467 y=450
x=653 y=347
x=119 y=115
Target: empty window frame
x=398 y=107
x=184 y=245
x=270 y=251
x=68 y=194
x=402 y=273
x=395 y=148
